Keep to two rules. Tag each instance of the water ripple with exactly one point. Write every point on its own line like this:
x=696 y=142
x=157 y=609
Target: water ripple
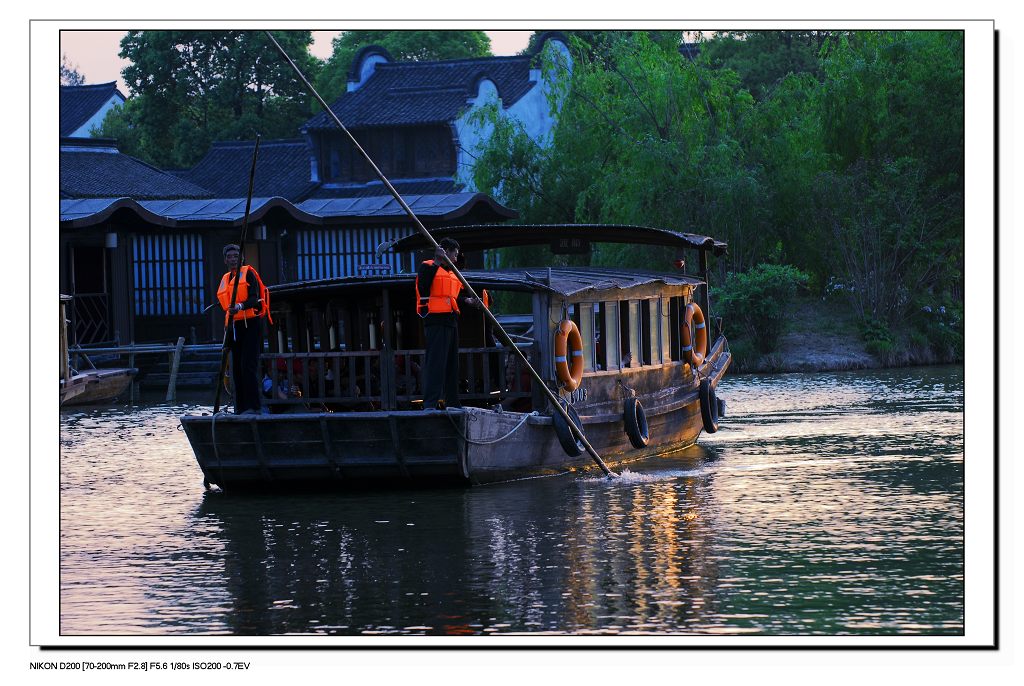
x=828 y=504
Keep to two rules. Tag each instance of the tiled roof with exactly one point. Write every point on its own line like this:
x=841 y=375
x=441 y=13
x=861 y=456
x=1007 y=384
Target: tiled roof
x=79 y=103
x=448 y=206
x=408 y=93
x=282 y=168
x=94 y=168
x=375 y=188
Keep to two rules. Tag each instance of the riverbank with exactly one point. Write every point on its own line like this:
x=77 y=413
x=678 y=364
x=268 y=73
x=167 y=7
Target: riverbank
x=820 y=337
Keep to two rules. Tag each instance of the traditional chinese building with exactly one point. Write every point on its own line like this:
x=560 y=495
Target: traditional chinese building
x=141 y=247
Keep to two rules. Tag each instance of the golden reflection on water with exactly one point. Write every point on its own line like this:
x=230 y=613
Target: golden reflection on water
x=827 y=504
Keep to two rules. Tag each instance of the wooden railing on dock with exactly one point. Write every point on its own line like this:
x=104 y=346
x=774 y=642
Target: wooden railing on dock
x=174 y=351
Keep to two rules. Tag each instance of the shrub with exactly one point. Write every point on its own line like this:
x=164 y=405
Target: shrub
x=744 y=355
x=872 y=330
x=755 y=301
x=883 y=351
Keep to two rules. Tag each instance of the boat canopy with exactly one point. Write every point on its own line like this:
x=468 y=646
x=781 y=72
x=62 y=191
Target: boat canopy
x=565 y=281
x=484 y=236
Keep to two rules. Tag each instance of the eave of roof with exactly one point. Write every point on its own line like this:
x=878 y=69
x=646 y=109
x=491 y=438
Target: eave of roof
x=81 y=213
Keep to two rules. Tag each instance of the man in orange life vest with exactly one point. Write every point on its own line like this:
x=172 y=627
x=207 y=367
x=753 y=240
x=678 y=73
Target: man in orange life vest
x=437 y=302
x=244 y=323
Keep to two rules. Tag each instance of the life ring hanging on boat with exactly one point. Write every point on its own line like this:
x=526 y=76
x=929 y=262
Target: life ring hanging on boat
x=635 y=419
x=568 y=355
x=695 y=346
x=708 y=406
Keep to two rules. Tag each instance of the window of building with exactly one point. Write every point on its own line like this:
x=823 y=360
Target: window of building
x=169 y=274
x=406 y=152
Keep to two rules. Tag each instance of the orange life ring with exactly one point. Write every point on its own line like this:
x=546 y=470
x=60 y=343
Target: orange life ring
x=568 y=355
x=694 y=353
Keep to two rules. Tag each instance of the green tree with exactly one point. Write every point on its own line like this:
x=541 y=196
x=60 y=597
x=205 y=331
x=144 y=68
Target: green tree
x=644 y=137
x=764 y=58
x=892 y=113
x=191 y=88
x=403 y=46
x=755 y=302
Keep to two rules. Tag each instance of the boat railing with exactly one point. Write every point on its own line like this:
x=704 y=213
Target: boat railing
x=386 y=379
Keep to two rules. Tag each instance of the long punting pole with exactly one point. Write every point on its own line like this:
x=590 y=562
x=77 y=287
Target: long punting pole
x=426 y=234
x=234 y=290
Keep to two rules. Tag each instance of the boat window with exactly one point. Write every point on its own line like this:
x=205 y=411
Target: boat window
x=647 y=340
x=674 y=317
x=610 y=334
x=664 y=331
x=585 y=314
x=629 y=328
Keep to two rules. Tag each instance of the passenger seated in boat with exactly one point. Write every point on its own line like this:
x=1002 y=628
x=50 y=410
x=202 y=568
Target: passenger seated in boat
x=407 y=384
x=283 y=391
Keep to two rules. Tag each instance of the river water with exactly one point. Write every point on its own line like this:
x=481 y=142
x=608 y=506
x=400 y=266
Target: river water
x=827 y=504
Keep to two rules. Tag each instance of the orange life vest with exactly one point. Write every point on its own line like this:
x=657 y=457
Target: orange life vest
x=444 y=293
x=227 y=283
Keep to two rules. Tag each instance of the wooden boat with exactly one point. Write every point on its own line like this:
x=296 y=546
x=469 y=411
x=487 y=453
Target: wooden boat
x=345 y=356
x=95 y=385
x=91 y=385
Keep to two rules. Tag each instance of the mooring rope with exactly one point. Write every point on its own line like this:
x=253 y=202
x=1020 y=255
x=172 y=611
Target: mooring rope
x=216 y=453
x=474 y=418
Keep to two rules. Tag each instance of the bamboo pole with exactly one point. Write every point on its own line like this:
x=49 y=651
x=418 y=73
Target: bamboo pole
x=575 y=430
x=238 y=277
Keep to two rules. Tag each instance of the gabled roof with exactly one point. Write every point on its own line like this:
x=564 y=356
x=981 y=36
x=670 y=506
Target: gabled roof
x=411 y=93
x=95 y=168
x=79 y=103
x=282 y=168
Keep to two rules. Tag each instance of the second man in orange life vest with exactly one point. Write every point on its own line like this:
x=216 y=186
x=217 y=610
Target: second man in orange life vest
x=437 y=302
x=244 y=322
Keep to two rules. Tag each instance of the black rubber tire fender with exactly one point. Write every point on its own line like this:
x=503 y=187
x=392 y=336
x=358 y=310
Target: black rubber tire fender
x=570 y=445
x=708 y=406
x=635 y=420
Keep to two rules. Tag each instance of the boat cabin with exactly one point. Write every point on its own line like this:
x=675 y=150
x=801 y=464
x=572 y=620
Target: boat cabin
x=356 y=343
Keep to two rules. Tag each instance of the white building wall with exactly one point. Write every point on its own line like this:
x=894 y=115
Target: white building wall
x=85 y=130
x=532 y=111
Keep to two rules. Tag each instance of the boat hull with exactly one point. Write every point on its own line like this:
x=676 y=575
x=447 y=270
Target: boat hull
x=95 y=386
x=461 y=446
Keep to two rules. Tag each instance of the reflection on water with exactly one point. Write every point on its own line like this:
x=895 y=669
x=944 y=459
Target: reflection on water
x=827 y=504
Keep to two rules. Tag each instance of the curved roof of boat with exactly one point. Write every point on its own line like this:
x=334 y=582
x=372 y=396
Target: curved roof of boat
x=481 y=236
x=565 y=281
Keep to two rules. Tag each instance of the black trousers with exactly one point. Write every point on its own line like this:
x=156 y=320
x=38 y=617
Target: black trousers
x=245 y=339
x=441 y=371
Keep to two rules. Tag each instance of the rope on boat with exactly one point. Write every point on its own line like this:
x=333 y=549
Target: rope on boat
x=216 y=453
x=474 y=418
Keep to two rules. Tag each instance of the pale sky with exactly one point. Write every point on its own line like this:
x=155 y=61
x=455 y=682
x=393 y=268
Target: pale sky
x=94 y=53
